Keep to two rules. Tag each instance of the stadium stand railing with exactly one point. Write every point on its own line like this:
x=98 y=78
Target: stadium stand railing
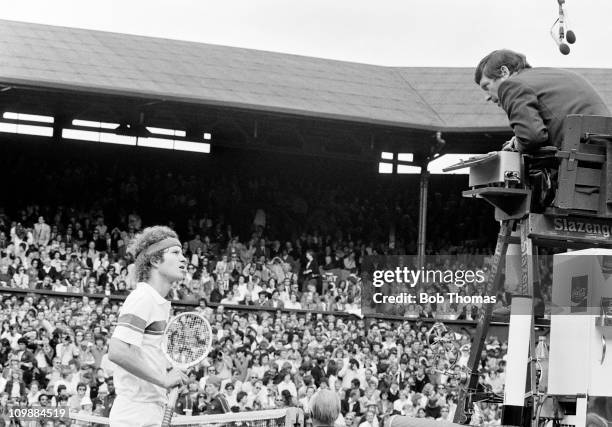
x=186 y=305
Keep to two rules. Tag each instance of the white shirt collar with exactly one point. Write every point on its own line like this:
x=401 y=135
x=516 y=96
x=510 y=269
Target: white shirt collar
x=156 y=295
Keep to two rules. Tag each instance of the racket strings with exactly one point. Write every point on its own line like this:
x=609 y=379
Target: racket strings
x=188 y=338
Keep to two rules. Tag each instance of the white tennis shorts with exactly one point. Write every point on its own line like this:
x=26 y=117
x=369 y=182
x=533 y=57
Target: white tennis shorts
x=135 y=414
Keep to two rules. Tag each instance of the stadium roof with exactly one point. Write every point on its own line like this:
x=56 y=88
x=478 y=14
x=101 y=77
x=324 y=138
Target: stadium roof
x=42 y=56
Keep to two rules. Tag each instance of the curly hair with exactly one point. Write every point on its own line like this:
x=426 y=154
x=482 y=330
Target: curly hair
x=148 y=237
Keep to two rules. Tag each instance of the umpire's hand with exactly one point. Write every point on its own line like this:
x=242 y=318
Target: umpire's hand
x=511 y=145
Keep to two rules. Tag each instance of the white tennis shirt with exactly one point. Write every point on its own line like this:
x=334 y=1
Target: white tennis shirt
x=142 y=322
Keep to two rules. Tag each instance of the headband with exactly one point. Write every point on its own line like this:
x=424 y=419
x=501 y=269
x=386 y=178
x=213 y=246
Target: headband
x=161 y=245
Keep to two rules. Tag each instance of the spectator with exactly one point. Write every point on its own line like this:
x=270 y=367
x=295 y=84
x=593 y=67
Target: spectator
x=201 y=406
x=187 y=399
x=15 y=386
x=294 y=415
x=20 y=279
x=310 y=273
x=370 y=420
x=287 y=383
x=433 y=410
x=42 y=232
x=109 y=399
x=263 y=266
x=444 y=414
x=217 y=403
x=351 y=371
x=80 y=401
x=66 y=350
x=5 y=276
x=4 y=404
x=325 y=408
x=27 y=360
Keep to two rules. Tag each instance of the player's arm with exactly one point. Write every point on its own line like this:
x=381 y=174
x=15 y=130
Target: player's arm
x=125 y=345
x=129 y=357
x=520 y=103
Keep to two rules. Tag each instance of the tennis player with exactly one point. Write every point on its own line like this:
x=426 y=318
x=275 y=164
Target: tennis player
x=142 y=377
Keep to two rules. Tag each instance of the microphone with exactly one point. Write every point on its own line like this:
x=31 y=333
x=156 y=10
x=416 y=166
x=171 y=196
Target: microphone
x=563 y=35
x=563 y=47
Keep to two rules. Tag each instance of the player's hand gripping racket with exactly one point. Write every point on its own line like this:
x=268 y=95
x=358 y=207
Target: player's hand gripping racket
x=187 y=341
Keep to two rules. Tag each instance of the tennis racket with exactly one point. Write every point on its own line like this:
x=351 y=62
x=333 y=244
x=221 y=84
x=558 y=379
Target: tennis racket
x=187 y=341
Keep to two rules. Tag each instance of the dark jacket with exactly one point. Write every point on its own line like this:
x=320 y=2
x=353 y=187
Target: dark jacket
x=218 y=405
x=537 y=100
x=185 y=401
x=317 y=374
x=345 y=407
x=22 y=388
x=108 y=402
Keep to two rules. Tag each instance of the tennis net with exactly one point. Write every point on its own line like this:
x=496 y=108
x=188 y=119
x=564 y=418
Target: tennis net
x=267 y=418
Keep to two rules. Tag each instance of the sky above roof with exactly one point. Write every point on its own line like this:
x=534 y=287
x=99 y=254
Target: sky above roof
x=406 y=33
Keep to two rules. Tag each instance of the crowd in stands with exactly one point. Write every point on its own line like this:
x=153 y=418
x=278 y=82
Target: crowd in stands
x=261 y=225
x=53 y=350
x=335 y=202
x=252 y=240
x=78 y=252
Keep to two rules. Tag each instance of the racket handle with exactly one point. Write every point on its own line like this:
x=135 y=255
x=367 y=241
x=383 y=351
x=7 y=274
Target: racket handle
x=172 y=397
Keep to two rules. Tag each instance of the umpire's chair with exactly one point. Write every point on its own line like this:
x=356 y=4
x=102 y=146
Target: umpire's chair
x=585 y=167
x=574 y=179
x=578 y=176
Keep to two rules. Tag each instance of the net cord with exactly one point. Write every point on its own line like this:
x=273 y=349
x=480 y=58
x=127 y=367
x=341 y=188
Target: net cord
x=204 y=420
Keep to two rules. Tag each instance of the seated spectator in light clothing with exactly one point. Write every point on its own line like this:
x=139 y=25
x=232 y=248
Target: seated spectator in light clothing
x=80 y=401
x=287 y=384
x=230 y=298
x=293 y=302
